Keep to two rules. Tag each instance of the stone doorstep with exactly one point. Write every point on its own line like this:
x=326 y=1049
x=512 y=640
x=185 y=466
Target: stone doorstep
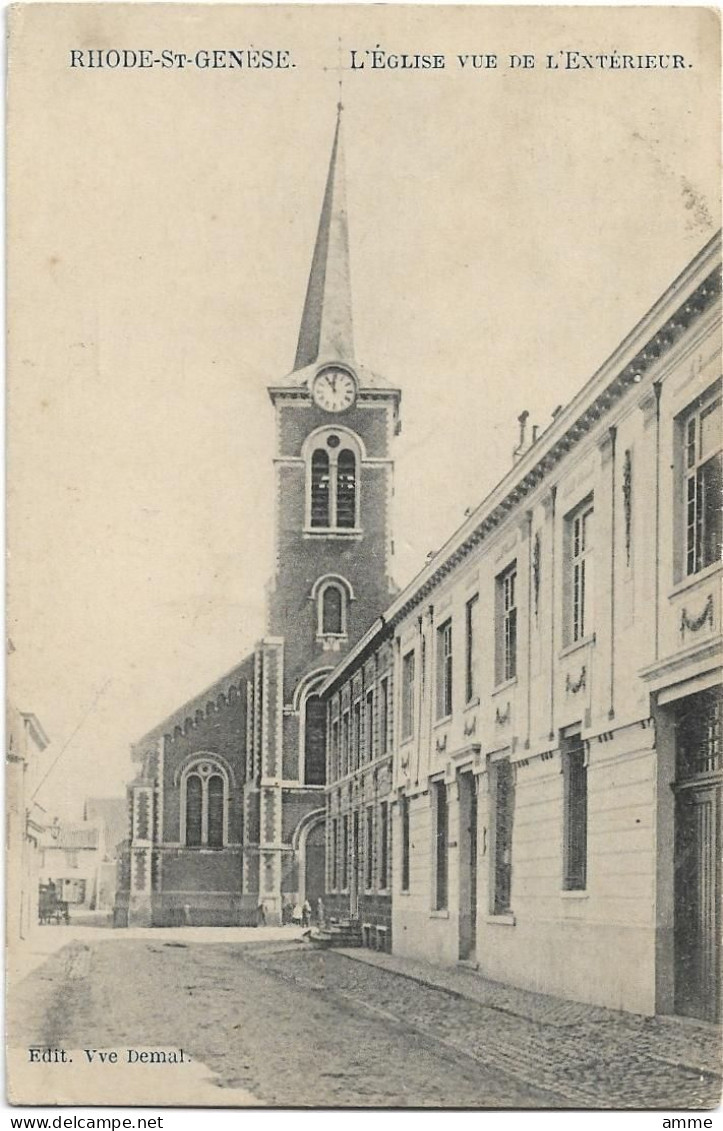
x=679 y=1038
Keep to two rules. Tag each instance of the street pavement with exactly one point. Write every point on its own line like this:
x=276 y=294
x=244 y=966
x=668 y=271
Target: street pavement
x=267 y=1020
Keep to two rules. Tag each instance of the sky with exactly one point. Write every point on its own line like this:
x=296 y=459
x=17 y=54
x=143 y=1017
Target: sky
x=508 y=228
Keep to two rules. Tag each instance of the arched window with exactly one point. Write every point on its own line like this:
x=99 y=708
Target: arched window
x=194 y=810
x=332 y=611
x=215 y=811
x=334 y=457
x=346 y=489
x=320 y=516
x=315 y=741
x=204 y=794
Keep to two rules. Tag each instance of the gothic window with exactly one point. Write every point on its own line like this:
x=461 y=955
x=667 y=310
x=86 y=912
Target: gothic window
x=333 y=460
x=204 y=794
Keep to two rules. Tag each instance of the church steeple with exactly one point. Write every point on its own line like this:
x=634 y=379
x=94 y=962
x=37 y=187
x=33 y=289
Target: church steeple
x=326 y=323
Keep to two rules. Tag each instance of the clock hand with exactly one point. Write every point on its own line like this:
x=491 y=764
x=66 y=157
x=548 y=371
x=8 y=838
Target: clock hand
x=332 y=380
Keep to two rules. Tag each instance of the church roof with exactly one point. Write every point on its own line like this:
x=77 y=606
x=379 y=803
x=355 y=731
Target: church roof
x=202 y=704
x=326 y=323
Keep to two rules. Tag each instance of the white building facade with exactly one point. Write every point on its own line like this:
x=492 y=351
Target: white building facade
x=556 y=816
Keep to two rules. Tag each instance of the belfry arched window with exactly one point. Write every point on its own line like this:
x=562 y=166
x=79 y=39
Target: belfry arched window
x=204 y=804
x=320 y=511
x=332 y=594
x=332 y=611
x=333 y=457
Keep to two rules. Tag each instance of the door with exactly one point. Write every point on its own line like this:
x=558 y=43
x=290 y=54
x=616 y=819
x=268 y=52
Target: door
x=698 y=901
x=468 y=866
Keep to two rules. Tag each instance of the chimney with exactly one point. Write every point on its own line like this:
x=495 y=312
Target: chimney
x=519 y=451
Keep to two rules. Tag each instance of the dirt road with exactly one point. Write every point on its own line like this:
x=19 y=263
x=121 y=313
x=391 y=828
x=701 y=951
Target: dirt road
x=285 y=1041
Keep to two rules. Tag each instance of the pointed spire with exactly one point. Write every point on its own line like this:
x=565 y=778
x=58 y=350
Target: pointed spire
x=326 y=324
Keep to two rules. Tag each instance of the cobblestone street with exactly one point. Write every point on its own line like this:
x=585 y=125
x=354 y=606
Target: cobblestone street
x=281 y=1024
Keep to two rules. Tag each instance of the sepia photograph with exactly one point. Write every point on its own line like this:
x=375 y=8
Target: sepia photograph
x=364 y=530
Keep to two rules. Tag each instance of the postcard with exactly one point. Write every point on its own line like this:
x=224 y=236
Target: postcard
x=364 y=539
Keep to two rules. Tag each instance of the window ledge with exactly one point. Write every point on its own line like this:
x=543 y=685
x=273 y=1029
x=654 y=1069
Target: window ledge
x=505 y=685
x=404 y=891
x=575 y=893
x=472 y=703
x=444 y=721
x=502 y=918
x=576 y=646
x=694 y=578
x=441 y=913
x=354 y=534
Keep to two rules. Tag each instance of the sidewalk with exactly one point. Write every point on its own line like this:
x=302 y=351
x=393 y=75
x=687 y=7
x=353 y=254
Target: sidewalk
x=677 y=1041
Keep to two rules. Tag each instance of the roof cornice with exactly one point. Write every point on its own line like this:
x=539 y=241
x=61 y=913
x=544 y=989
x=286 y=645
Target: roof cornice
x=693 y=292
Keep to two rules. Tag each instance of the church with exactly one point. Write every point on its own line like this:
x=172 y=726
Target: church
x=227 y=811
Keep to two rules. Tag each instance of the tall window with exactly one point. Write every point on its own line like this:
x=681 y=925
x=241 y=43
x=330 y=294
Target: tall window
x=504 y=816
x=333 y=491
x=439 y=794
x=320 y=511
x=203 y=806
x=579 y=530
x=369 y=725
x=345 y=851
x=408 y=695
x=506 y=626
x=471 y=678
x=345 y=743
x=404 y=816
x=332 y=611
x=335 y=768
x=703 y=463
x=215 y=811
x=356 y=736
x=369 y=872
x=575 y=814
x=346 y=489
x=384 y=845
x=315 y=741
x=384 y=715
x=194 y=811
x=444 y=670
x=334 y=853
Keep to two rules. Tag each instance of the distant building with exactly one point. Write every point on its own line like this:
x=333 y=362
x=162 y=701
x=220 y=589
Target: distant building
x=82 y=858
x=546 y=699
x=25 y=820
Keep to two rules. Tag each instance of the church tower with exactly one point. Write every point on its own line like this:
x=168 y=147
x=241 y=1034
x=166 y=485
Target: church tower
x=336 y=423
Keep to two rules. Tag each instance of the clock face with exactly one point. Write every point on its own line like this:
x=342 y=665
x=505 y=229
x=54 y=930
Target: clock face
x=334 y=389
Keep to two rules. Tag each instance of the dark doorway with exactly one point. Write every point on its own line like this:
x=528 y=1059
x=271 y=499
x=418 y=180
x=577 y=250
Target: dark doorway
x=315 y=865
x=698 y=843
